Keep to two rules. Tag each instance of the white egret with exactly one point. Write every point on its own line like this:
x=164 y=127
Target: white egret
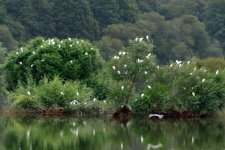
x=156 y=115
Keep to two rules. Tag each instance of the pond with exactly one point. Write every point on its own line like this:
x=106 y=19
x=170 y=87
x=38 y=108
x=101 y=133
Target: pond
x=104 y=134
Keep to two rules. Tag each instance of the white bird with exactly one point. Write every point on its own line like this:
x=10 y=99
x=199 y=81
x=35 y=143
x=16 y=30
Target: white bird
x=156 y=115
x=122 y=87
x=193 y=93
x=74 y=102
x=28 y=93
x=114 y=68
x=217 y=72
x=203 y=80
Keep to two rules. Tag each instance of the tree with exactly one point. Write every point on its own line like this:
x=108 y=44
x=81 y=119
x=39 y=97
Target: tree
x=70 y=59
x=133 y=65
x=215 y=20
x=7 y=39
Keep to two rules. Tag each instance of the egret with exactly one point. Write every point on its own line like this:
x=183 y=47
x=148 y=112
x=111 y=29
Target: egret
x=114 y=68
x=203 y=80
x=217 y=72
x=156 y=115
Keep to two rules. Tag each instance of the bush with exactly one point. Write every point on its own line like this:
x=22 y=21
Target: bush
x=182 y=88
x=212 y=64
x=70 y=59
x=52 y=93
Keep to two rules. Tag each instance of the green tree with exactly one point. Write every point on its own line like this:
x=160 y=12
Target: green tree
x=132 y=66
x=215 y=20
x=70 y=59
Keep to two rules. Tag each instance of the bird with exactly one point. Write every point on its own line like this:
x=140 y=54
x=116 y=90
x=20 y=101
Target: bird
x=217 y=72
x=203 y=80
x=156 y=115
x=114 y=68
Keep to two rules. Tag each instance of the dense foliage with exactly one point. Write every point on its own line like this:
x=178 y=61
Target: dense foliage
x=181 y=87
x=179 y=29
x=70 y=59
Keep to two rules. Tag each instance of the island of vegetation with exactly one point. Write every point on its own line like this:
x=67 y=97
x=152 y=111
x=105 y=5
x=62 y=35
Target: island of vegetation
x=120 y=58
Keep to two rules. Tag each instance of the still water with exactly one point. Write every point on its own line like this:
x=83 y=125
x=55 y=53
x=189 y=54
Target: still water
x=103 y=134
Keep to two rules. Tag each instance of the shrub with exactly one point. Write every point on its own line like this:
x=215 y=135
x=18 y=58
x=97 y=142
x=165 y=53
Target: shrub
x=182 y=87
x=70 y=59
x=54 y=93
x=212 y=64
x=133 y=65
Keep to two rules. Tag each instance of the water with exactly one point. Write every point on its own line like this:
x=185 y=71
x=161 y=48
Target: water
x=102 y=134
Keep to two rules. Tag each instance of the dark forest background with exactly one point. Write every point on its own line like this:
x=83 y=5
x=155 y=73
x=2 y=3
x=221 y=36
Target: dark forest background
x=180 y=29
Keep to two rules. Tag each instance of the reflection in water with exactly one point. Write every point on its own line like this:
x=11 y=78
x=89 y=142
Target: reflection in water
x=100 y=134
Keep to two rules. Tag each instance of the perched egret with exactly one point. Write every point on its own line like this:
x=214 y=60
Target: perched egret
x=203 y=80
x=217 y=72
x=114 y=68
